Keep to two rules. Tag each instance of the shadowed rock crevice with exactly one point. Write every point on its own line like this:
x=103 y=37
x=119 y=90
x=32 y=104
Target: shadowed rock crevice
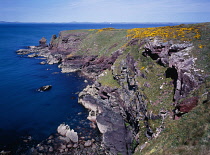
x=172 y=73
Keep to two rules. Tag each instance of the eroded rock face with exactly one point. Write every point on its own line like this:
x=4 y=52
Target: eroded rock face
x=90 y=66
x=187 y=105
x=110 y=122
x=176 y=56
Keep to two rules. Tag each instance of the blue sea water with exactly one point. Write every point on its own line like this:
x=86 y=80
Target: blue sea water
x=23 y=110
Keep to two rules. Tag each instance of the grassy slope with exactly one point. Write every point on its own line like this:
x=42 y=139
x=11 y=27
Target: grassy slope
x=95 y=42
x=189 y=135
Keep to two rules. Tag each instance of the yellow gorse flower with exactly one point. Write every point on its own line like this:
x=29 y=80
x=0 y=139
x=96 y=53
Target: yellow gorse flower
x=201 y=46
x=142 y=68
x=166 y=32
x=105 y=29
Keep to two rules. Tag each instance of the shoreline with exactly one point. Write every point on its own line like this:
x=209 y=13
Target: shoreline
x=57 y=143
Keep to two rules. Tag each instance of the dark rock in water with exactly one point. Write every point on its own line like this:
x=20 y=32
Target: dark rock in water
x=44 y=88
x=42 y=42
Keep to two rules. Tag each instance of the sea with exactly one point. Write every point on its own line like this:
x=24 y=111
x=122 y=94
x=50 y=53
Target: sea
x=23 y=110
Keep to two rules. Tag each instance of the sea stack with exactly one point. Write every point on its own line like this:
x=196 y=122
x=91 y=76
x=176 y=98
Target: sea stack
x=43 y=42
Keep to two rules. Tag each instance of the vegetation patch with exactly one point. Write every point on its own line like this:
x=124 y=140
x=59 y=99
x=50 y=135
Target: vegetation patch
x=106 y=79
x=166 y=32
x=104 y=43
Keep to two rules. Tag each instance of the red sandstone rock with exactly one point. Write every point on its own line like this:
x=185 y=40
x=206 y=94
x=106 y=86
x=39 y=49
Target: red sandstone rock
x=188 y=104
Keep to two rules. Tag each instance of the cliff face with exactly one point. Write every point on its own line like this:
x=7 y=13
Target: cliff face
x=151 y=86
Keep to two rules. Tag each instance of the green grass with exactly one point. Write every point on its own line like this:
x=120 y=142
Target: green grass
x=203 y=53
x=189 y=135
x=107 y=80
x=103 y=43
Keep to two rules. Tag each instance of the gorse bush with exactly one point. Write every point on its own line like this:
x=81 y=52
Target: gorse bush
x=167 y=32
x=103 y=29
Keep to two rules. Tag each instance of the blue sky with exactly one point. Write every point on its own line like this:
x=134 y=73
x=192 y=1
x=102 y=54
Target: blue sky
x=105 y=10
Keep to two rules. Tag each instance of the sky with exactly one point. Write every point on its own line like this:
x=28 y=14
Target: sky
x=105 y=10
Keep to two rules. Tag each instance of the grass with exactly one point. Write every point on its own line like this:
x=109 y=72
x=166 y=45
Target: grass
x=202 y=48
x=103 y=43
x=96 y=42
x=106 y=79
x=189 y=135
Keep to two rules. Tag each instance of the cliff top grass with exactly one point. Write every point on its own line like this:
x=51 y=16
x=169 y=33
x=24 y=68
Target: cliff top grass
x=101 y=42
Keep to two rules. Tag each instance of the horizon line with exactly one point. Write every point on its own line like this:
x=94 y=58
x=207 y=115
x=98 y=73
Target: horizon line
x=96 y=22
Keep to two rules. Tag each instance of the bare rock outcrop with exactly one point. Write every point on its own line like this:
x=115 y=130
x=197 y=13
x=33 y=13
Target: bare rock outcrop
x=176 y=56
x=43 y=42
x=65 y=131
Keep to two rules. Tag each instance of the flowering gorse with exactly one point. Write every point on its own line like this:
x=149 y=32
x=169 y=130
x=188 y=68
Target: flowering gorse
x=167 y=32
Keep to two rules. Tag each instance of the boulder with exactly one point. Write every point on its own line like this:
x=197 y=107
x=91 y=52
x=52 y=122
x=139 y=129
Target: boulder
x=62 y=129
x=72 y=135
x=88 y=143
x=68 y=134
x=51 y=149
x=65 y=139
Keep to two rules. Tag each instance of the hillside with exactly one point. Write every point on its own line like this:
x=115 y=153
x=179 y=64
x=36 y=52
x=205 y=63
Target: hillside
x=150 y=91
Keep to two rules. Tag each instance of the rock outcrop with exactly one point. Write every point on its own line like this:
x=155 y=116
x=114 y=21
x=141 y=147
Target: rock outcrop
x=44 y=88
x=65 y=131
x=116 y=137
x=178 y=59
x=43 y=42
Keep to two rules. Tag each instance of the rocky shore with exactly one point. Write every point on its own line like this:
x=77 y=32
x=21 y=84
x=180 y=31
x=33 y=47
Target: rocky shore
x=121 y=101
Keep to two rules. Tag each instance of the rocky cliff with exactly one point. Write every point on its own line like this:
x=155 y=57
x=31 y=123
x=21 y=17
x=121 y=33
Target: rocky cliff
x=150 y=91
